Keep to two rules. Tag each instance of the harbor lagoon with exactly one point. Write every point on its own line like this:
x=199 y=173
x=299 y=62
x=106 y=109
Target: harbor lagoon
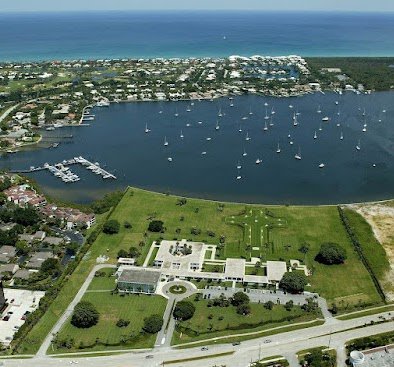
x=227 y=149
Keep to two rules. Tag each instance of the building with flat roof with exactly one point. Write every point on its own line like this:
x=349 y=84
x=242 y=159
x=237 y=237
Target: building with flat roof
x=235 y=269
x=137 y=280
x=2 y=297
x=275 y=271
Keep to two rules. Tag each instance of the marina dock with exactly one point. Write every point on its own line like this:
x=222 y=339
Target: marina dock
x=63 y=171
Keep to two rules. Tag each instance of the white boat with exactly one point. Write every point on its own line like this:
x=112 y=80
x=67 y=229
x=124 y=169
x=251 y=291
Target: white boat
x=239 y=177
x=147 y=130
x=59 y=124
x=271 y=121
x=165 y=142
x=199 y=122
x=231 y=104
x=239 y=165
x=160 y=111
x=325 y=119
x=322 y=165
x=244 y=154
x=291 y=106
x=240 y=129
x=188 y=125
x=203 y=153
x=272 y=111
x=384 y=111
x=217 y=127
x=265 y=126
x=188 y=109
x=295 y=121
x=176 y=114
x=291 y=142
x=341 y=137
x=358 y=146
x=51 y=128
x=244 y=118
x=278 y=149
x=181 y=136
x=337 y=103
x=250 y=111
x=364 y=112
x=315 y=136
x=338 y=124
x=318 y=109
x=266 y=117
x=320 y=128
x=298 y=155
x=169 y=159
x=364 y=129
x=258 y=161
x=208 y=139
x=247 y=138
x=265 y=104
x=220 y=114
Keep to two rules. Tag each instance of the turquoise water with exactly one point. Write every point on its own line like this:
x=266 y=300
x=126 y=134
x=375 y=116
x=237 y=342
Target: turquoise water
x=117 y=140
x=95 y=35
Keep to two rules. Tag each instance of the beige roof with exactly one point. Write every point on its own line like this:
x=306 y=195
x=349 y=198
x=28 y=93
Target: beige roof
x=235 y=268
x=276 y=270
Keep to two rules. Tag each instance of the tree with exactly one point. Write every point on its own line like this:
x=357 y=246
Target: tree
x=293 y=282
x=240 y=298
x=134 y=252
x=156 y=226
x=331 y=253
x=22 y=248
x=111 y=226
x=243 y=309
x=269 y=305
x=153 y=324
x=289 y=305
x=85 y=315
x=50 y=266
x=184 y=310
x=72 y=248
x=26 y=216
x=122 y=253
x=304 y=249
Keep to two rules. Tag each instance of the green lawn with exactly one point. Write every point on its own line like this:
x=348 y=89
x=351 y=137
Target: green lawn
x=106 y=282
x=112 y=308
x=225 y=320
x=313 y=225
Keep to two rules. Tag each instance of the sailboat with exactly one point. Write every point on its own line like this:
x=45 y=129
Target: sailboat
x=231 y=104
x=239 y=175
x=322 y=165
x=244 y=154
x=239 y=165
x=165 y=142
x=181 y=136
x=265 y=104
x=176 y=114
x=250 y=111
x=265 y=126
x=188 y=109
x=295 y=121
x=278 y=149
x=217 y=127
x=358 y=146
x=271 y=121
x=220 y=114
x=247 y=138
x=160 y=111
x=341 y=137
x=169 y=159
x=320 y=128
x=315 y=136
x=258 y=161
x=298 y=155
x=325 y=119
x=272 y=111
x=240 y=129
x=147 y=130
x=318 y=109
x=364 y=112
x=365 y=128
x=266 y=114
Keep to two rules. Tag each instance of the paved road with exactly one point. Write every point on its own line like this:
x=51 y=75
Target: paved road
x=7 y=112
x=281 y=344
x=47 y=342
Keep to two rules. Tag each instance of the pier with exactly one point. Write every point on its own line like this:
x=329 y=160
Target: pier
x=63 y=171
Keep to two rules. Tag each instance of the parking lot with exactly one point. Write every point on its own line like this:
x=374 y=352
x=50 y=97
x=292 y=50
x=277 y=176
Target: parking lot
x=20 y=303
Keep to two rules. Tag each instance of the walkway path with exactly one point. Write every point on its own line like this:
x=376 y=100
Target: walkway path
x=48 y=340
x=164 y=336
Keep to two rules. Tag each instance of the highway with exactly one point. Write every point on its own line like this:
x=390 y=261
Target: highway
x=288 y=344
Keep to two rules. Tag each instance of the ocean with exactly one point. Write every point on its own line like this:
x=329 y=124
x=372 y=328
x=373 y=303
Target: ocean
x=102 y=35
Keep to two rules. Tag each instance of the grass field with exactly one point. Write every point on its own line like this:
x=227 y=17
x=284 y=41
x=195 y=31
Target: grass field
x=210 y=322
x=112 y=308
x=311 y=225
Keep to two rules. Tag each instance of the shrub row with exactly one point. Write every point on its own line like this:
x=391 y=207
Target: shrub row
x=358 y=248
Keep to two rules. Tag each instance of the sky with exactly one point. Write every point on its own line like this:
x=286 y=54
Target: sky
x=83 y=5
